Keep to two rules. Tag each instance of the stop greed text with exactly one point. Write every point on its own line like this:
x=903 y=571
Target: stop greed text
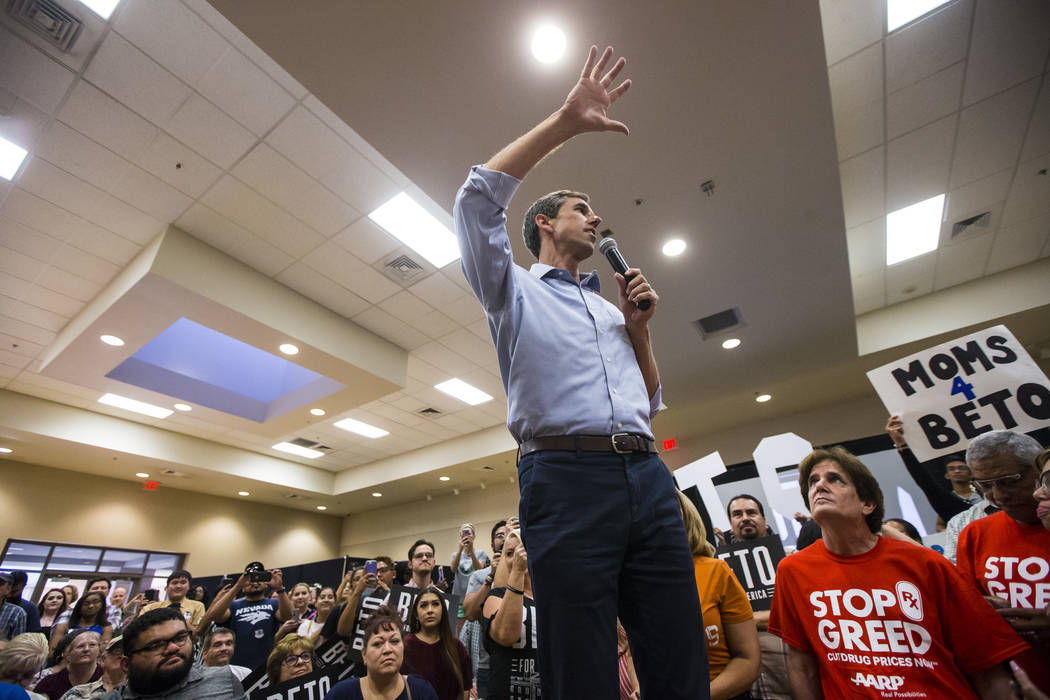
x=875 y=635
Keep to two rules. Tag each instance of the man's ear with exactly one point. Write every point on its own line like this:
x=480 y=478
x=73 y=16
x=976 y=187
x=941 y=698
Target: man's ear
x=867 y=508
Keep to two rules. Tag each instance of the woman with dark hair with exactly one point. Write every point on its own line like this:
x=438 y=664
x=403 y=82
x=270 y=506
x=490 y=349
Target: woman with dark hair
x=896 y=527
x=433 y=652
x=325 y=603
x=50 y=607
x=199 y=594
x=89 y=613
x=383 y=655
x=863 y=614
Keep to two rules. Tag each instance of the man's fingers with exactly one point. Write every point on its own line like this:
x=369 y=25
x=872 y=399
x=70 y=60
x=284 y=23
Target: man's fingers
x=600 y=66
x=620 y=89
x=588 y=66
x=613 y=72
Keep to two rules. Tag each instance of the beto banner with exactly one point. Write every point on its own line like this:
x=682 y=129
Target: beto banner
x=334 y=664
x=951 y=393
x=754 y=562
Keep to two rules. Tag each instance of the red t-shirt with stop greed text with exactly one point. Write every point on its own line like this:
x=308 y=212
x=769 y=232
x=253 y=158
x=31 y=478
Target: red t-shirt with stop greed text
x=897 y=621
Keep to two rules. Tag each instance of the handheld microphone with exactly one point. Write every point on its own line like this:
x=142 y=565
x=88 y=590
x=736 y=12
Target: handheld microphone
x=611 y=251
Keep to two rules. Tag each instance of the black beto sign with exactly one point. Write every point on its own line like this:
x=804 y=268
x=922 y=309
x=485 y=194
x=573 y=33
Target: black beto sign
x=334 y=664
x=754 y=562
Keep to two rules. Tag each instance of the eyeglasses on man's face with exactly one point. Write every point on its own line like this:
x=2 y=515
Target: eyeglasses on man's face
x=162 y=644
x=1007 y=482
x=423 y=555
x=294 y=659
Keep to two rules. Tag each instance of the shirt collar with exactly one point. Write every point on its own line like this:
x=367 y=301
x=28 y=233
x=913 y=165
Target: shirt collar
x=589 y=281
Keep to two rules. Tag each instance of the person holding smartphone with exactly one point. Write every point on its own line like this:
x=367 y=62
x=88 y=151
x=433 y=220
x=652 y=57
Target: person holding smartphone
x=254 y=618
x=465 y=561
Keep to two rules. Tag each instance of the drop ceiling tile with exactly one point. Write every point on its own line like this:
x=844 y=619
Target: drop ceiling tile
x=910 y=279
x=437 y=290
x=34 y=315
x=465 y=343
x=406 y=307
x=424 y=372
x=444 y=359
x=435 y=324
x=245 y=92
x=101 y=118
x=979 y=195
x=481 y=329
x=68 y=283
x=1019 y=244
x=1037 y=142
x=409 y=404
x=850 y=25
x=856 y=101
x=337 y=264
x=23 y=290
x=250 y=210
x=211 y=132
x=962 y=261
x=917 y=164
x=77 y=154
x=14 y=263
x=1029 y=193
x=73 y=260
x=178 y=165
x=172 y=35
x=20 y=346
x=135 y=79
x=366 y=240
x=355 y=140
x=22 y=123
x=863 y=191
x=31 y=74
x=404 y=418
x=28 y=331
x=278 y=179
x=151 y=195
x=25 y=240
x=395 y=330
x=1009 y=45
x=39 y=214
x=925 y=101
x=324 y=291
x=216 y=230
x=465 y=310
x=991 y=133
x=454 y=272
x=927 y=46
x=867 y=248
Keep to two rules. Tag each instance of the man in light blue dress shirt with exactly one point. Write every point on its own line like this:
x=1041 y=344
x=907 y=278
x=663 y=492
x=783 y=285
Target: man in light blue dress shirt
x=598 y=510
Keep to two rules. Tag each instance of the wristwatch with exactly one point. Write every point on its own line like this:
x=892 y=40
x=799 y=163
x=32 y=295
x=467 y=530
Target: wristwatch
x=488 y=580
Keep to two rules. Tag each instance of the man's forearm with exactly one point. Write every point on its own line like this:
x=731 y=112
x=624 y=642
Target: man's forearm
x=524 y=153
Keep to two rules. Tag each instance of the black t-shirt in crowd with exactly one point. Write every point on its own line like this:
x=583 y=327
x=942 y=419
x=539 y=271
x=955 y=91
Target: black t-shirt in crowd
x=514 y=671
x=254 y=623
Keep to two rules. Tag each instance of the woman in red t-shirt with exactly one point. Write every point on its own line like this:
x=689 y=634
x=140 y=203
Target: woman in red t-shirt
x=870 y=616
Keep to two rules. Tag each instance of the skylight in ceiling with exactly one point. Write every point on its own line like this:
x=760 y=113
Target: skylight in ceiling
x=913 y=230
x=900 y=12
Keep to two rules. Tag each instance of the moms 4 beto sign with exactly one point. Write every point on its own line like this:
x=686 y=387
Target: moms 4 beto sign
x=951 y=393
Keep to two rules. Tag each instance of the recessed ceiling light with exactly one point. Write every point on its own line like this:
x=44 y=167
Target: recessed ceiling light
x=913 y=230
x=674 y=247
x=900 y=12
x=762 y=398
x=102 y=8
x=182 y=407
x=111 y=340
x=730 y=343
x=11 y=157
x=142 y=407
x=243 y=493
x=459 y=389
x=322 y=507
x=356 y=426
x=297 y=450
x=404 y=219
x=548 y=44
x=444 y=478
x=317 y=411
x=376 y=494
x=142 y=475
x=6 y=450
x=288 y=349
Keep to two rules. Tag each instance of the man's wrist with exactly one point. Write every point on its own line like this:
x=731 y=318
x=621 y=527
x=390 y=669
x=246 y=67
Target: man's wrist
x=279 y=591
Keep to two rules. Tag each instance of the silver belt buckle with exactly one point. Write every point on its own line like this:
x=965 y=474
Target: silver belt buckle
x=616 y=448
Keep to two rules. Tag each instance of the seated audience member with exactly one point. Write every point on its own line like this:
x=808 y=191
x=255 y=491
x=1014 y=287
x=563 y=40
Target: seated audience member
x=113 y=673
x=158 y=656
x=99 y=584
x=854 y=606
x=478 y=587
x=383 y=655
x=432 y=650
x=18 y=584
x=176 y=589
x=58 y=659
x=1006 y=556
x=325 y=602
x=71 y=592
x=628 y=676
x=49 y=608
x=218 y=650
x=465 y=562
x=12 y=617
x=81 y=661
x=1042 y=491
x=732 y=638
x=945 y=482
x=901 y=529
x=292 y=657
x=254 y=618
x=509 y=624
x=747 y=519
x=89 y=613
x=20 y=661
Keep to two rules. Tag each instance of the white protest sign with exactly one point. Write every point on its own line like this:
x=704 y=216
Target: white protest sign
x=949 y=394
x=699 y=474
x=786 y=449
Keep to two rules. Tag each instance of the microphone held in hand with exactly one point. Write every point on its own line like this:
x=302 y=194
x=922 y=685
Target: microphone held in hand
x=611 y=251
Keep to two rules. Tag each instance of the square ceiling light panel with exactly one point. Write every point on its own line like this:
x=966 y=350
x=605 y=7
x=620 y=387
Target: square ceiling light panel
x=913 y=230
x=202 y=366
x=900 y=12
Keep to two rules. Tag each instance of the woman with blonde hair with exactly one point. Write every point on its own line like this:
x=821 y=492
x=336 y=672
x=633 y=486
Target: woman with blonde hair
x=20 y=660
x=732 y=638
x=292 y=657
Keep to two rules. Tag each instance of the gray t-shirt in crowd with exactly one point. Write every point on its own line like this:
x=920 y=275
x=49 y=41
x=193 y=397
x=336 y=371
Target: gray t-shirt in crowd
x=201 y=683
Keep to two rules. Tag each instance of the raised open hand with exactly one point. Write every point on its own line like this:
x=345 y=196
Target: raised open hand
x=591 y=97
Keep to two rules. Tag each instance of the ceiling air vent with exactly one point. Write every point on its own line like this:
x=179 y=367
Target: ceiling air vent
x=428 y=412
x=401 y=268
x=48 y=19
x=719 y=323
x=974 y=224
x=303 y=442
x=295 y=497
x=172 y=472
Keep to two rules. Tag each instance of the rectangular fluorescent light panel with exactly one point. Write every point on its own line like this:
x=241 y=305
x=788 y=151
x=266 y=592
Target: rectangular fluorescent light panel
x=913 y=230
x=356 y=426
x=11 y=157
x=466 y=393
x=297 y=450
x=146 y=409
x=408 y=222
x=102 y=8
x=900 y=12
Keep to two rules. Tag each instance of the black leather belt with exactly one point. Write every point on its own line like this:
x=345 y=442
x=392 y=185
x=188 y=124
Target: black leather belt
x=621 y=443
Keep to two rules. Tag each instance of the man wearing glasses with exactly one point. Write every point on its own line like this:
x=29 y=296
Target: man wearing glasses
x=420 y=563
x=1007 y=555
x=158 y=656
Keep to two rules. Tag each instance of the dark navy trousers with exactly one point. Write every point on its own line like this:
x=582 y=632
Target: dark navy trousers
x=605 y=538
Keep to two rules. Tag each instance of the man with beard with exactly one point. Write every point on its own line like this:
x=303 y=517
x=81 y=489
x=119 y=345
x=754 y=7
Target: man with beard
x=158 y=657
x=254 y=618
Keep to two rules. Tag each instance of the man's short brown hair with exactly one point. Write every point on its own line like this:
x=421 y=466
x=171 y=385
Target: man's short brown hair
x=866 y=485
x=548 y=205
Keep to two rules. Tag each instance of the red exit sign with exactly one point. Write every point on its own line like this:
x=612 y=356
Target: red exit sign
x=152 y=485
x=669 y=444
